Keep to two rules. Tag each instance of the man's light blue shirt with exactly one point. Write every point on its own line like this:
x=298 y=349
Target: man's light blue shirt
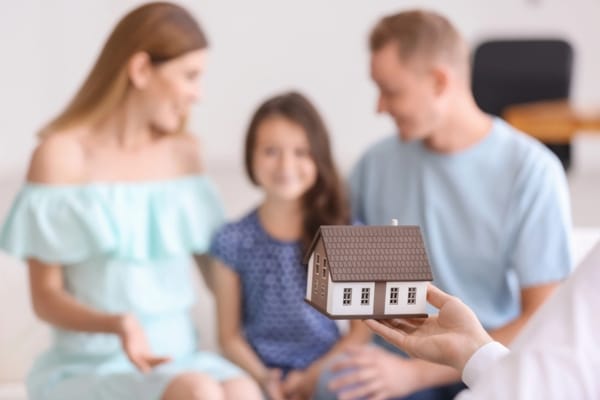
x=495 y=217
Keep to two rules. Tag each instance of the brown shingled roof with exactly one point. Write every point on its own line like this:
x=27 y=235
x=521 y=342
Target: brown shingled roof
x=374 y=253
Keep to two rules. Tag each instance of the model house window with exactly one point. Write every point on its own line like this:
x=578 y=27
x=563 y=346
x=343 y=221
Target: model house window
x=316 y=286
x=347 y=296
x=322 y=290
x=324 y=267
x=394 y=295
x=412 y=295
x=364 y=296
x=317 y=263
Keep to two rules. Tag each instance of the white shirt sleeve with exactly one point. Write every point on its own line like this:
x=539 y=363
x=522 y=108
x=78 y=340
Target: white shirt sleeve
x=481 y=361
x=549 y=374
x=556 y=356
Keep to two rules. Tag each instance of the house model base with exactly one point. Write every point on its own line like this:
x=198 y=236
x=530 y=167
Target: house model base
x=368 y=272
x=366 y=316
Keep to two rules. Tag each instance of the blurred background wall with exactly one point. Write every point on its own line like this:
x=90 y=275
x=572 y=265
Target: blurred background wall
x=260 y=47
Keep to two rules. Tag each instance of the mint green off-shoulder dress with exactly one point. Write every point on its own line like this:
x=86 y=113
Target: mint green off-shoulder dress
x=124 y=247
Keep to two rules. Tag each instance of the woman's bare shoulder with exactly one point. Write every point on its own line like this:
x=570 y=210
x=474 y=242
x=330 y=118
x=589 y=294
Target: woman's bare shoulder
x=57 y=159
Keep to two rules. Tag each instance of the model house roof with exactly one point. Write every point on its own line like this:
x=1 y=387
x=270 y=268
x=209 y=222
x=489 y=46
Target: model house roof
x=373 y=253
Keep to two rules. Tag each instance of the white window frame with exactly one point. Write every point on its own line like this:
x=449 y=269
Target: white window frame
x=365 y=296
x=394 y=292
x=347 y=297
x=412 y=296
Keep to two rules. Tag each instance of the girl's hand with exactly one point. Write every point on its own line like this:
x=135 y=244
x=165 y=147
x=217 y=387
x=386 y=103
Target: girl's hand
x=135 y=344
x=296 y=386
x=272 y=384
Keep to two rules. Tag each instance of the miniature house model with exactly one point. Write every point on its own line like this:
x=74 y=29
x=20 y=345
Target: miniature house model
x=368 y=272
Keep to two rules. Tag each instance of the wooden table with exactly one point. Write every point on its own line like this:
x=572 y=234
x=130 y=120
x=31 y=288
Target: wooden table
x=554 y=121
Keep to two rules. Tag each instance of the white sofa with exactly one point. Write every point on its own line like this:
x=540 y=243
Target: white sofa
x=22 y=336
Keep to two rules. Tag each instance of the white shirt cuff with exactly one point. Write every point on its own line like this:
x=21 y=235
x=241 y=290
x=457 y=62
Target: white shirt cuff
x=482 y=360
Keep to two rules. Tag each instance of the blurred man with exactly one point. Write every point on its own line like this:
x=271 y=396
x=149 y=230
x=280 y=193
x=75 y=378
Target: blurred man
x=492 y=202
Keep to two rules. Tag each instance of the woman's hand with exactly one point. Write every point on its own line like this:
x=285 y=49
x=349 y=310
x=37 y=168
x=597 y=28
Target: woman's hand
x=135 y=344
x=450 y=337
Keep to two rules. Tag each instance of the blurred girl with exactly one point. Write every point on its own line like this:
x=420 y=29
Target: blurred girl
x=264 y=324
x=114 y=205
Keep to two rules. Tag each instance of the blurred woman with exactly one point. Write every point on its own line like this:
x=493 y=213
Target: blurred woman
x=114 y=205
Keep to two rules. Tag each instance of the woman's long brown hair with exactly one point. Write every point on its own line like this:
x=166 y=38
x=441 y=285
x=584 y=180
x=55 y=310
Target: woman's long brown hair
x=162 y=30
x=325 y=203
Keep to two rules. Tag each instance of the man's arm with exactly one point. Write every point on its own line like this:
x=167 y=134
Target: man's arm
x=531 y=299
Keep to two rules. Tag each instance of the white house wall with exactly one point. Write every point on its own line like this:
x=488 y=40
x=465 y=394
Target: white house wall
x=403 y=307
x=310 y=276
x=335 y=298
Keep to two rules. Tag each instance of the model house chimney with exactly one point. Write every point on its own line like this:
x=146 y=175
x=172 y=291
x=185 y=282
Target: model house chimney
x=394 y=222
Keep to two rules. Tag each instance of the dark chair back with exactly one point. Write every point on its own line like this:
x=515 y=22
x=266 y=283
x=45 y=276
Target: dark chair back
x=507 y=72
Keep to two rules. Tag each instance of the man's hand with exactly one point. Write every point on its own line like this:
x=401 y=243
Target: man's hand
x=450 y=337
x=373 y=373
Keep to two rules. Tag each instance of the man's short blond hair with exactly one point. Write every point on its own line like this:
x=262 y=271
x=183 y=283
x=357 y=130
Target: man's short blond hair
x=421 y=34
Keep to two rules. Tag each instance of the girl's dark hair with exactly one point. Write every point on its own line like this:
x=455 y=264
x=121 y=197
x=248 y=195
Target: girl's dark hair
x=325 y=203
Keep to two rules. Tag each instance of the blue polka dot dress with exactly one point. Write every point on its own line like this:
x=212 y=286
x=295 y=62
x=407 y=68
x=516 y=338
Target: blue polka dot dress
x=284 y=331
